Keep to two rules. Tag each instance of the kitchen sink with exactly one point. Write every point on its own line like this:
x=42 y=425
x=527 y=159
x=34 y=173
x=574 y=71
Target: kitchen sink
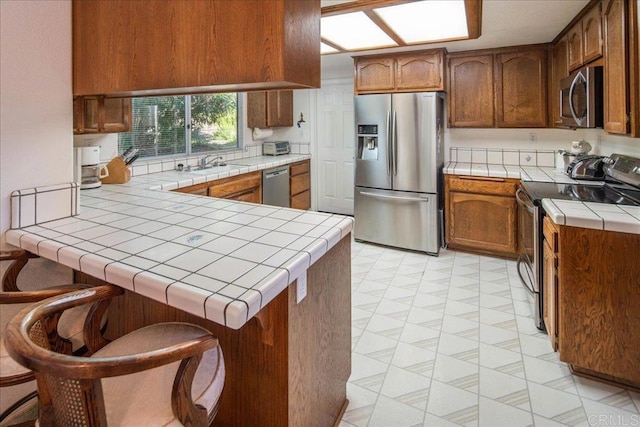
x=210 y=170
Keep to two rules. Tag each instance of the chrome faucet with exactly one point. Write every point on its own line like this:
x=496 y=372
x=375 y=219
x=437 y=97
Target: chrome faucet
x=204 y=162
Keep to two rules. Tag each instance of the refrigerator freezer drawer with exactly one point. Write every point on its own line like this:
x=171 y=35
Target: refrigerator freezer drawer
x=396 y=218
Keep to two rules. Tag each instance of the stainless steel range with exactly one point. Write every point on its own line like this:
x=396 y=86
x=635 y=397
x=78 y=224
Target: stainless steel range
x=620 y=185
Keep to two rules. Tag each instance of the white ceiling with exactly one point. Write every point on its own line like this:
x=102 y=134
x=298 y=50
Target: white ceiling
x=504 y=23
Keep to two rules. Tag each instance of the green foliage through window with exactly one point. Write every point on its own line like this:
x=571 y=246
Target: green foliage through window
x=175 y=125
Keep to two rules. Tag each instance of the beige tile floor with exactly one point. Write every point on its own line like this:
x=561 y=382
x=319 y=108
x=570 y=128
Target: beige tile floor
x=450 y=340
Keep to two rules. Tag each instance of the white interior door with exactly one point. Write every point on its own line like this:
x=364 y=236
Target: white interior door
x=336 y=152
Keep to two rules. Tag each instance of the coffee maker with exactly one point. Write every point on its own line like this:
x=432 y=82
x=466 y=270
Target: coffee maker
x=87 y=168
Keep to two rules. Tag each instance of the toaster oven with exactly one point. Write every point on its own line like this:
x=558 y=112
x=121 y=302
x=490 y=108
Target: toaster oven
x=276 y=148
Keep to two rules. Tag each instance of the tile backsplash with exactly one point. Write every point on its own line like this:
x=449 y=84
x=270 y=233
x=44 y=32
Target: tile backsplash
x=250 y=150
x=33 y=206
x=498 y=156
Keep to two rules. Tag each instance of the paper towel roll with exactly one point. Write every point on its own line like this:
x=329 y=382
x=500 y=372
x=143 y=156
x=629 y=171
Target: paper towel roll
x=261 y=133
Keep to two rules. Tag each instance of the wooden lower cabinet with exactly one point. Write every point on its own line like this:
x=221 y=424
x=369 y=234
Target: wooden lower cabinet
x=481 y=214
x=550 y=281
x=300 y=185
x=597 y=298
x=245 y=188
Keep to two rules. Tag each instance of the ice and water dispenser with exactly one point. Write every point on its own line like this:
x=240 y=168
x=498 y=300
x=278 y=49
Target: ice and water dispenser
x=367 y=142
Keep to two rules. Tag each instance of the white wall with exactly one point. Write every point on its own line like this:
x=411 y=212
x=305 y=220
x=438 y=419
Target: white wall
x=36 y=124
x=546 y=139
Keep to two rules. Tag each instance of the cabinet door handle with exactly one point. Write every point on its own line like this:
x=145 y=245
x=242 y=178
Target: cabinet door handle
x=481 y=178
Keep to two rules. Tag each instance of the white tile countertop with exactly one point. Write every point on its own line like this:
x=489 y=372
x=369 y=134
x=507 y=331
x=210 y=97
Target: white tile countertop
x=525 y=173
x=218 y=259
x=600 y=216
x=173 y=179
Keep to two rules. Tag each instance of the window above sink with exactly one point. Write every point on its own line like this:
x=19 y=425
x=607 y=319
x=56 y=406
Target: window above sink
x=184 y=125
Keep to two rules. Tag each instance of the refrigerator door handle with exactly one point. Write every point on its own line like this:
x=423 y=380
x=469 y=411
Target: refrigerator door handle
x=395 y=145
x=389 y=142
x=384 y=196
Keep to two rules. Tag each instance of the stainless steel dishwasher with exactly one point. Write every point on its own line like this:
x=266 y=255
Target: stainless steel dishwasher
x=275 y=186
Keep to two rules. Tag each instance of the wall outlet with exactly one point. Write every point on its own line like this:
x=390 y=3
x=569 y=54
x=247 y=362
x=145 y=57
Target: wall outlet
x=301 y=287
x=533 y=137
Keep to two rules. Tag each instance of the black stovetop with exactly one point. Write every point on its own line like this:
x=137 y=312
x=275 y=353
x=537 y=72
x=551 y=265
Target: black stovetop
x=610 y=192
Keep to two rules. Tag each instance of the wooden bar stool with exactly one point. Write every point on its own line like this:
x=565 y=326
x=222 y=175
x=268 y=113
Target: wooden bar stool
x=19 y=403
x=162 y=374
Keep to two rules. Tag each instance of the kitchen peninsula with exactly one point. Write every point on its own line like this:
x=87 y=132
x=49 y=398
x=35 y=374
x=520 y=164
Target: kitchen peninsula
x=273 y=284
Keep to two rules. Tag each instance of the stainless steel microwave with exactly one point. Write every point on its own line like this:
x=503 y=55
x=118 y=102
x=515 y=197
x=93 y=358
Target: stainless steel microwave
x=581 y=98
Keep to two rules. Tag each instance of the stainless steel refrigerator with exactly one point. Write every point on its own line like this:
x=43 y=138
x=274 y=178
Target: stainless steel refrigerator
x=399 y=159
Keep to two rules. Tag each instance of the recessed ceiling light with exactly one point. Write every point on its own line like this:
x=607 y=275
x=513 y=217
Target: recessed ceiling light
x=354 y=31
x=428 y=20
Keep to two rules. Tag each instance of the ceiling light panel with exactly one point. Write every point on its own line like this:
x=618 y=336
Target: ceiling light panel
x=428 y=20
x=325 y=48
x=354 y=31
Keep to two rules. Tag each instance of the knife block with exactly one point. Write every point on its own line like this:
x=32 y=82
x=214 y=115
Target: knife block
x=119 y=173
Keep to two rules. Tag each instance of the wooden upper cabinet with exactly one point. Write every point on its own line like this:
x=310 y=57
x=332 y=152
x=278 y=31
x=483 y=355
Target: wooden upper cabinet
x=584 y=39
x=407 y=72
x=615 y=67
x=559 y=70
x=270 y=109
x=592 y=34
x=574 y=45
x=471 y=91
x=97 y=114
x=136 y=48
x=375 y=74
x=521 y=89
x=420 y=72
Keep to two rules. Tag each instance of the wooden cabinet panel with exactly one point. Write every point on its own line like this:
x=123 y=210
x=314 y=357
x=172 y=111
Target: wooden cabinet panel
x=199 y=190
x=480 y=219
x=550 y=285
x=131 y=48
x=301 y=200
x=598 y=316
x=420 y=72
x=483 y=185
x=406 y=72
x=592 y=35
x=550 y=294
x=471 y=91
x=375 y=74
x=521 y=89
x=300 y=168
x=270 y=109
x=559 y=70
x=300 y=185
x=574 y=46
x=246 y=187
x=97 y=114
x=482 y=222
x=117 y=115
x=615 y=67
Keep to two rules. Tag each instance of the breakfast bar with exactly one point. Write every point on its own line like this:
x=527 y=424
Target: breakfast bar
x=273 y=284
